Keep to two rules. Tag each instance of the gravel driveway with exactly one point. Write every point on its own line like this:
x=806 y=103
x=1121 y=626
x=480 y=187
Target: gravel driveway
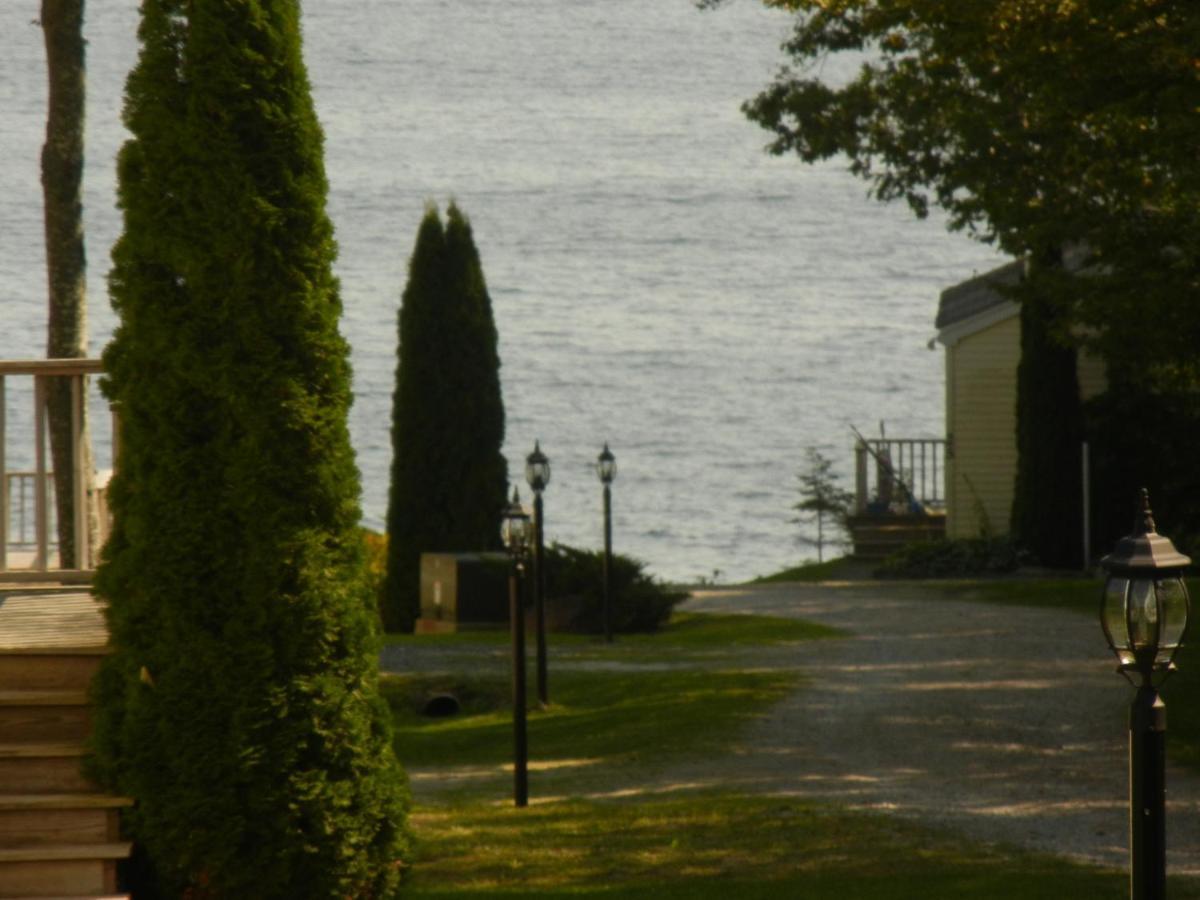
x=1002 y=723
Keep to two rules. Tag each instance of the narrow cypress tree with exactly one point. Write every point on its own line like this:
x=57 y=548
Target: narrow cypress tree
x=1047 y=496
x=239 y=707
x=482 y=475
x=448 y=474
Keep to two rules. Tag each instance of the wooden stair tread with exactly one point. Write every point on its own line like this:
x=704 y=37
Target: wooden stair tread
x=9 y=802
x=44 y=697
x=57 y=650
x=113 y=850
x=41 y=749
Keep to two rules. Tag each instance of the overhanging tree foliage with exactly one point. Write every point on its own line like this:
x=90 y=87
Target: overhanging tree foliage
x=1034 y=125
x=449 y=477
x=239 y=706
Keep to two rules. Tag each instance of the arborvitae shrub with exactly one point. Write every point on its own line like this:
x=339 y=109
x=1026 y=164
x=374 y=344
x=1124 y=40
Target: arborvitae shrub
x=240 y=705
x=448 y=476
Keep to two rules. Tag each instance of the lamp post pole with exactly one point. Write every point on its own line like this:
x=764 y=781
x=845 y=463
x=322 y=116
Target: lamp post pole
x=537 y=473
x=515 y=531
x=1148 y=795
x=606 y=468
x=1144 y=616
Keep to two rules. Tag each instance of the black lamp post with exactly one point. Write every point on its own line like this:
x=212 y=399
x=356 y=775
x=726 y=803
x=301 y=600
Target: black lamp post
x=606 y=468
x=516 y=532
x=537 y=473
x=1144 y=616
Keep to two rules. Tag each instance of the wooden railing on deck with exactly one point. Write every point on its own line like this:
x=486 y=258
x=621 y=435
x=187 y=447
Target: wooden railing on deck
x=42 y=371
x=899 y=475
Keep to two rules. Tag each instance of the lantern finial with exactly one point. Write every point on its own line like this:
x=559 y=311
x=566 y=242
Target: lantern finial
x=1145 y=517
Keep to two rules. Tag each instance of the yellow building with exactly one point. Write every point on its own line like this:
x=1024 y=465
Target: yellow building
x=981 y=330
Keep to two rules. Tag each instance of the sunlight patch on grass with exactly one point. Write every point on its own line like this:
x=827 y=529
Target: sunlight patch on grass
x=719 y=845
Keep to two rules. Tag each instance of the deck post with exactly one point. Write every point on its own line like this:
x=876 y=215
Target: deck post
x=79 y=481
x=4 y=502
x=40 y=499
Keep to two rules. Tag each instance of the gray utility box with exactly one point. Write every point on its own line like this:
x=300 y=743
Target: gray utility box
x=463 y=591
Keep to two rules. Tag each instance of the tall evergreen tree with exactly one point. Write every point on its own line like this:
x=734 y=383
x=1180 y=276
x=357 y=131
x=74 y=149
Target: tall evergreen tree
x=448 y=473
x=1047 y=496
x=239 y=707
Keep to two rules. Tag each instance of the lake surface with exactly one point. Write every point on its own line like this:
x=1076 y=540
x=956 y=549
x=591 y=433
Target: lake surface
x=658 y=281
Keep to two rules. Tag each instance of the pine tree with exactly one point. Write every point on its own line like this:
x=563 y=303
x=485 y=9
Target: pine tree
x=448 y=474
x=1047 y=496
x=239 y=707
x=823 y=502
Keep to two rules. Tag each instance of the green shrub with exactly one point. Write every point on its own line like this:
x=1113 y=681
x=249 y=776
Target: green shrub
x=240 y=705
x=575 y=593
x=952 y=559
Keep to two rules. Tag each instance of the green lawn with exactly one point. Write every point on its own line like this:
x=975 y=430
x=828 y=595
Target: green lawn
x=720 y=846
x=686 y=690
x=602 y=716
x=830 y=570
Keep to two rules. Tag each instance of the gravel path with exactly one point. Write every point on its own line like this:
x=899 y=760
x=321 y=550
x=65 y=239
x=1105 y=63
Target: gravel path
x=1004 y=724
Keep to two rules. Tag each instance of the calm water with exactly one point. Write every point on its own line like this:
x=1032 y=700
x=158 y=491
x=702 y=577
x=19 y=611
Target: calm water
x=658 y=281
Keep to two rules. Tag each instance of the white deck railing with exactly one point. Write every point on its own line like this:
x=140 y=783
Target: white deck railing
x=894 y=476
x=28 y=522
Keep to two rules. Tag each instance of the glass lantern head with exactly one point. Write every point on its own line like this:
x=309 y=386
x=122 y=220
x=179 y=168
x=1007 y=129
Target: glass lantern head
x=1144 y=612
x=537 y=469
x=606 y=466
x=516 y=527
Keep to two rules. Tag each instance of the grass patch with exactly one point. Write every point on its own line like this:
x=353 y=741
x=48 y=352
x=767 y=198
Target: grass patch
x=832 y=570
x=706 y=630
x=699 y=630
x=642 y=697
x=716 y=846
x=1080 y=595
x=614 y=716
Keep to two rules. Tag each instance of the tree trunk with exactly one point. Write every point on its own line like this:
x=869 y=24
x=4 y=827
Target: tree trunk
x=62 y=177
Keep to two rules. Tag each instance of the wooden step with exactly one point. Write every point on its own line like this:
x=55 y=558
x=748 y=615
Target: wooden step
x=44 y=715
x=42 y=768
x=38 y=819
x=42 y=827
x=65 y=852
x=49 y=669
x=73 y=870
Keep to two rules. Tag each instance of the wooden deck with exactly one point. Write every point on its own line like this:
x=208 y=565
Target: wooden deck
x=50 y=619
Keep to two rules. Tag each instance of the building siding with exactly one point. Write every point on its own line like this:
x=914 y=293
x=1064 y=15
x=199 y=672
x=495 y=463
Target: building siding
x=981 y=378
x=981 y=425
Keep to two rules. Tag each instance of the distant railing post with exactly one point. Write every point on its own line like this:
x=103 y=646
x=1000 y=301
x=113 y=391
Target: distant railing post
x=860 y=477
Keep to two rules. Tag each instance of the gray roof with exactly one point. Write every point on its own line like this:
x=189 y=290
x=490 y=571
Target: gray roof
x=977 y=295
